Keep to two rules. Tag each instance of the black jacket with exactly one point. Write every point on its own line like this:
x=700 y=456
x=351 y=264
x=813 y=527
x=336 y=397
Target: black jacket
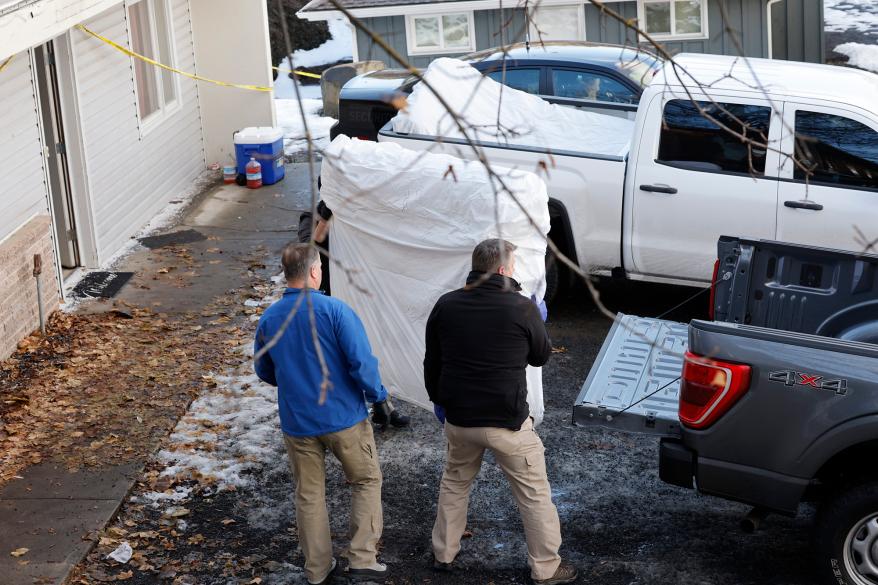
x=479 y=340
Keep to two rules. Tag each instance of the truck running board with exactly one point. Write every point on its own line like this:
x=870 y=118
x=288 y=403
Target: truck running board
x=640 y=355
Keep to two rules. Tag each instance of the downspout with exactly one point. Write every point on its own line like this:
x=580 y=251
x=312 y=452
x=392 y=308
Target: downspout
x=768 y=7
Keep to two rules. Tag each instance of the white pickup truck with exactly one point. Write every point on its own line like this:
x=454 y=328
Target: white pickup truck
x=654 y=211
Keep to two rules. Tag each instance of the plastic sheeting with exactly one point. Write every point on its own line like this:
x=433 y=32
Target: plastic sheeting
x=524 y=119
x=404 y=227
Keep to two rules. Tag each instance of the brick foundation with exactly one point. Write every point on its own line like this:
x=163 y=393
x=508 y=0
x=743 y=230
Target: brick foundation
x=19 y=313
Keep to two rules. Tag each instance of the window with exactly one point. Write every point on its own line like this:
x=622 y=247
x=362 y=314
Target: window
x=557 y=23
x=836 y=149
x=446 y=33
x=151 y=36
x=673 y=18
x=690 y=140
x=586 y=85
x=522 y=79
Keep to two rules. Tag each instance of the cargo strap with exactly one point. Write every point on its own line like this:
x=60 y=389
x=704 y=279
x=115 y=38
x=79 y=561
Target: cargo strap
x=131 y=53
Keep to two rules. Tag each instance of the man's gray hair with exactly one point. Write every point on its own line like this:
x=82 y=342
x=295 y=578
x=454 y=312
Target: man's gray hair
x=489 y=255
x=297 y=260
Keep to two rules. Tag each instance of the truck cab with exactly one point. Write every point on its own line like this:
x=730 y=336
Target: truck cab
x=759 y=148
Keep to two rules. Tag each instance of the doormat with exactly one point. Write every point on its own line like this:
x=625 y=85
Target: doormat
x=173 y=238
x=100 y=285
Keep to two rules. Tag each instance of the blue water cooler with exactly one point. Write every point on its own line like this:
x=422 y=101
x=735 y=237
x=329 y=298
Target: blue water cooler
x=266 y=145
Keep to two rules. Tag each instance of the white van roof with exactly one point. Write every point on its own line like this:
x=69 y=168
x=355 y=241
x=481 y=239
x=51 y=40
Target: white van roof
x=772 y=76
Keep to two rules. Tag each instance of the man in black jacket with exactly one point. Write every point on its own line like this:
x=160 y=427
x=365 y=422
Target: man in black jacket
x=479 y=340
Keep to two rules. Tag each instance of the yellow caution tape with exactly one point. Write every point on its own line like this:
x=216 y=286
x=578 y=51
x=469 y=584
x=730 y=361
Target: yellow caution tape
x=131 y=53
x=6 y=62
x=303 y=73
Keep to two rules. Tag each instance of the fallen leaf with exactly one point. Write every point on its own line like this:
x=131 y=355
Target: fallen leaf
x=559 y=349
x=227 y=521
x=19 y=552
x=124 y=575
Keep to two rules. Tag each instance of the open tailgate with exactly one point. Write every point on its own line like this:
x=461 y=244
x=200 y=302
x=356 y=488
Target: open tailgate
x=640 y=355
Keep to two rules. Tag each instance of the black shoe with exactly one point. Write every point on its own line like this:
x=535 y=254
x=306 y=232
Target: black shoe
x=376 y=571
x=440 y=567
x=399 y=420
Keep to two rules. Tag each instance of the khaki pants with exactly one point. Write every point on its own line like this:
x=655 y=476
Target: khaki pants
x=520 y=455
x=355 y=448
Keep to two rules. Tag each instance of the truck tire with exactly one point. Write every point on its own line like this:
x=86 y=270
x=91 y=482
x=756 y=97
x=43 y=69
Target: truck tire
x=846 y=536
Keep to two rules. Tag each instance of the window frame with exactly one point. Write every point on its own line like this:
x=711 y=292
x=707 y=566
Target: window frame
x=787 y=169
x=580 y=21
x=673 y=36
x=165 y=107
x=585 y=102
x=775 y=129
x=541 y=71
x=413 y=49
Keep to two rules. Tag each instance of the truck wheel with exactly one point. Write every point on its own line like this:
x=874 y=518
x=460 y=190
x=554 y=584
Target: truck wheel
x=553 y=279
x=846 y=536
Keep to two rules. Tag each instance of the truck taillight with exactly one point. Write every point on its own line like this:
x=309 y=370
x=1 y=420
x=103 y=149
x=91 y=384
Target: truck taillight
x=709 y=389
x=712 y=310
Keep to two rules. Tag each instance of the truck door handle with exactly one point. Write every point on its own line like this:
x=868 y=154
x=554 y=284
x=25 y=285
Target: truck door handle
x=803 y=205
x=659 y=189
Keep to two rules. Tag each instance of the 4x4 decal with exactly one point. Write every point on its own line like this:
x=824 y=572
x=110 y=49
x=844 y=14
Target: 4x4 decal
x=792 y=378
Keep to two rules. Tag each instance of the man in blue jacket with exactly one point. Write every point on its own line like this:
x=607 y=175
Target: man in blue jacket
x=324 y=410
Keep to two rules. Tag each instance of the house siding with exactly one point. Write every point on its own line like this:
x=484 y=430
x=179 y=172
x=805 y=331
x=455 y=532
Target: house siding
x=133 y=175
x=25 y=223
x=797 y=26
x=24 y=192
x=795 y=23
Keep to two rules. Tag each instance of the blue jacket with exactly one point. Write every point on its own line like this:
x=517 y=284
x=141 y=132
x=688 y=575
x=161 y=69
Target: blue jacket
x=293 y=366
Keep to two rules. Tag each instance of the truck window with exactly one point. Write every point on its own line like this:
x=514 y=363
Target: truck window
x=522 y=79
x=691 y=140
x=835 y=150
x=586 y=85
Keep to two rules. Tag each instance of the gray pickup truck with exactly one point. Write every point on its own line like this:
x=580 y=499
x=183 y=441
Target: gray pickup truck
x=773 y=403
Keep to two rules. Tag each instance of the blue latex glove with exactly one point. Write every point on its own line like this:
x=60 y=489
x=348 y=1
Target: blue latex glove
x=439 y=412
x=541 y=305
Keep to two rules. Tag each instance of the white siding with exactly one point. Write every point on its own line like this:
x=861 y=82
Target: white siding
x=22 y=179
x=132 y=176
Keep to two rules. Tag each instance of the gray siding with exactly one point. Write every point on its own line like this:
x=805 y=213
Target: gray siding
x=734 y=27
x=746 y=23
x=495 y=28
x=798 y=30
x=602 y=28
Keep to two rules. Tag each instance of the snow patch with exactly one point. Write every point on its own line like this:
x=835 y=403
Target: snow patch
x=860 y=55
x=179 y=494
x=229 y=432
x=844 y=15
x=289 y=118
x=232 y=429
